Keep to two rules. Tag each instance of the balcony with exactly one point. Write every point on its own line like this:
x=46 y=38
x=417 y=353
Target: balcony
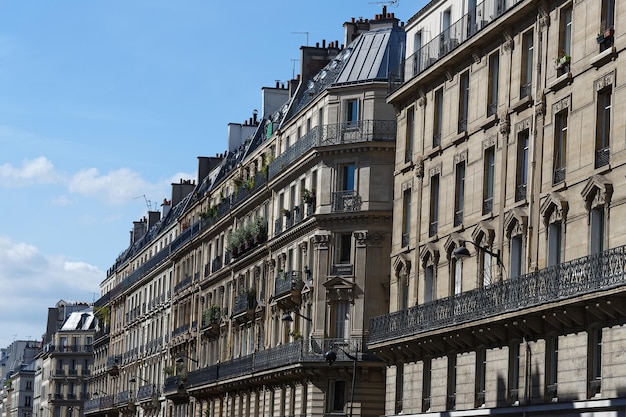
x=447 y=41
x=302 y=353
x=174 y=389
x=334 y=134
x=245 y=302
x=211 y=319
x=124 y=400
x=345 y=201
x=560 y=296
x=286 y=282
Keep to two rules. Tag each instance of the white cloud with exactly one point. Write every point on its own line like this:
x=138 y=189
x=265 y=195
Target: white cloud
x=32 y=281
x=32 y=171
x=115 y=187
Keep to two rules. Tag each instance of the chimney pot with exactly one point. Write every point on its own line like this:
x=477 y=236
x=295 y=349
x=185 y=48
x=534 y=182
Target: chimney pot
x=323 y=43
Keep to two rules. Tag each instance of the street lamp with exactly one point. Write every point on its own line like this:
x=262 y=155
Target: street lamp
x=287 y=316
x=331 y=357
x=181 y=359
x=462 y=252
x=134 y=379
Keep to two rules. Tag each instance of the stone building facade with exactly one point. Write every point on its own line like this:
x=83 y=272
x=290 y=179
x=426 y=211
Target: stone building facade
x=251 y=295
x=508 y=264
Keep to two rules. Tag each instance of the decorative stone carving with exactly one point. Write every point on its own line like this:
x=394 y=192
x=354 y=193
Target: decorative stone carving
x=321 y=241
x=605 y=81
x=554 y=209
x=419 y=167
x=523 y=125
x=561 y=105
x=460 y=157
x=597 y=192
x=489 y=142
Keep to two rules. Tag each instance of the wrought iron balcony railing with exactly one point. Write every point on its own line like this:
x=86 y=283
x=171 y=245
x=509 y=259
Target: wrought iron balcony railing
x=560 y=282
x=306 y=350
x=334 y=134
x=147 y=392
x=602 y=156
x=244 y=301
x=441 y=45
x=345 y=201
x=287 y=281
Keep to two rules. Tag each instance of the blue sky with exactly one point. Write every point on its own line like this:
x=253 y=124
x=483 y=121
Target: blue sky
x=103 y=102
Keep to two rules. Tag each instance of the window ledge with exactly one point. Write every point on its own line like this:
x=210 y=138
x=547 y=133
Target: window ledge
x=434 y=151
x=460 y=138
x=404 y=167
x=560 y=82
x=604 y=57
x=490 y=121
x=523 y=104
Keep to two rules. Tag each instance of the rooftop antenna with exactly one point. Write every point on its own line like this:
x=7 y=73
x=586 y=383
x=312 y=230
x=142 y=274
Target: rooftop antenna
x=293 y=70
x=304 y=33
x=148 y=202
x=395 y=3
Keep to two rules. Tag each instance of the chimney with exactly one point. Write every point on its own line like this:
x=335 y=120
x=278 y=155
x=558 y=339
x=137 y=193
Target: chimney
x=180 y=190
x=165 y=207
x=153 y=218
x=139 y=229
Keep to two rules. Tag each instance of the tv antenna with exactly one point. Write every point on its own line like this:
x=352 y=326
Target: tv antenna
x=293 y=69
x=148 y=202
x=395 y=3
x=305 y=33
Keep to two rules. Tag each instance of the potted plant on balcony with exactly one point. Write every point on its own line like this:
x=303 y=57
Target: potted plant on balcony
x=307 y=196
x=259 y=231
x=563 y=60
x=233 y=242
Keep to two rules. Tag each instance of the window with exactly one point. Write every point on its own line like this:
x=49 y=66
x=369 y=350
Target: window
x=410 y=132
x=343 y=248
x=554 y=243
x=607 y=24
x=342 y=320
x=426 y=384
x=456 y=276
x=492 y=88
x=594 y=355
x=459 y=195
x=514 y=364
x=463 y=101
x=485 y=265
x=429 y=283
x=434 y=205
x=521 y=170
x=336 y=396
x=596 y=222
x=438 y=119
x=603 y=127
x=527 y=64
x=352 y=111
x=565 y=31
x=552 y=361
x=451 y=386
x=406 y=217
x=488 y=179
x=560 y=147
x=481 y=372
x=347 y=177
x=516 y=255
x=417 y=56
